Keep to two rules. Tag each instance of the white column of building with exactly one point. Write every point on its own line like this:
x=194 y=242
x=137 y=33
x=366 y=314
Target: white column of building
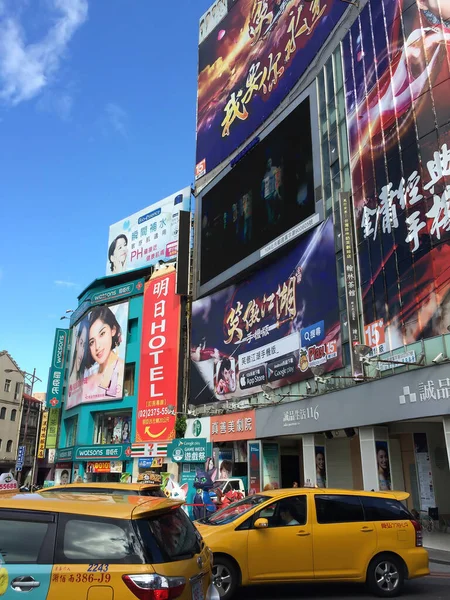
x=368 y=436
x=309 y=460
x=446 y=423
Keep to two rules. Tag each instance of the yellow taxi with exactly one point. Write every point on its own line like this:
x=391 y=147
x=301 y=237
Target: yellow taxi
x=100 y=547
x=130 y=489
x=313 y=534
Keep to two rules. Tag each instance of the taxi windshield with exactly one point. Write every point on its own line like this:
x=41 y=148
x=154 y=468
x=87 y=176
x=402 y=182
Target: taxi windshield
x=235 y=510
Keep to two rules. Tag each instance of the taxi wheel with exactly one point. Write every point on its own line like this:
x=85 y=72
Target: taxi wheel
x=225 y=577
x=385 y=576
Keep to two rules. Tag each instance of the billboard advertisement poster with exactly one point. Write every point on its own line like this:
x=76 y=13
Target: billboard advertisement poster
x=271 y=328
x=97 y=361
x=211 y=18
x=383 y=466
x=254 y=467
x=52 y=428
x=267 y=192
x=397 y=81
x=424 y=472
x=271 y=465
x=158 y=376
x=43 y=435
x=321 y=467
x=63 y=473
x=56 y=374
x=148 y=237
x=248 y=64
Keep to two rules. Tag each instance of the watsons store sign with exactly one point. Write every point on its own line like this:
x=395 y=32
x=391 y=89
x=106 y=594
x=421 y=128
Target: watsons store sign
x=106 y=452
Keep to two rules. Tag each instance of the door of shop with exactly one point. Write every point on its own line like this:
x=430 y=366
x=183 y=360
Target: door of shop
x=290 y=470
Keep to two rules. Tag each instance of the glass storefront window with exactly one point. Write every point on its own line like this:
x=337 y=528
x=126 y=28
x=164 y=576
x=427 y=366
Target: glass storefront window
x=112 y=428
x=71 y=431
x=128 y=381
x=338 y=74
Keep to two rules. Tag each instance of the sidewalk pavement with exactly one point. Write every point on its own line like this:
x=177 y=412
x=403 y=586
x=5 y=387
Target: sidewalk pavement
x=438 y=546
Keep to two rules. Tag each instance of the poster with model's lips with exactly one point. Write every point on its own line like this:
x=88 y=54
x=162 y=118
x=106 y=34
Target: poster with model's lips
x=397 y=82
x=249 y=63
x=270 y=328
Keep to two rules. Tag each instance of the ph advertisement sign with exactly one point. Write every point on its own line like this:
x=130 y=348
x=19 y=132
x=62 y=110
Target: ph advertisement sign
x=397 y=80
x=271 y=328
x=248 y=63
x=97 y=361
x=158 y=375
x=147 y=237
x=56 y=374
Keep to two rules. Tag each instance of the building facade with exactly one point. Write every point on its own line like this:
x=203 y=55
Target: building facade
x=11 y=391
x=321 y=285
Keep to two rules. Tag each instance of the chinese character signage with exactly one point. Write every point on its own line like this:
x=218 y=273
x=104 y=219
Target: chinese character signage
x=233 y=426
x=248 y=64
x=186 y=450
x=43 y=435
x=56 y=373
x=264 y=202
x=397 y=89
x=105 y=466
x=147 y=237
x=105 y=452
x=158 y=376
x=97 y=361
x=52 y=428
x=255 y=475
x=271 y=328
x=351 y=283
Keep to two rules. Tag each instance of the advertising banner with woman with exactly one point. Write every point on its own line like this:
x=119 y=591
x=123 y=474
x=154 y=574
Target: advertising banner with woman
x=97 y=363
x=270 y=328
x=397 y=81
x=383 y=466
x=321 y=469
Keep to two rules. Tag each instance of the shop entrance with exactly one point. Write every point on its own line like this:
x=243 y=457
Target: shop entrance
x=290 y=470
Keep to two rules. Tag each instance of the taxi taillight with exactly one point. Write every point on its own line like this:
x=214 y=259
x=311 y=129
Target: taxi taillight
x=155 y=587
x=418 y=529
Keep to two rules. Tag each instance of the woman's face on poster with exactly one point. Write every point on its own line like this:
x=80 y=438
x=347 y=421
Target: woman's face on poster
x=120 y=253
x=320 y=461
x=100 y=341
x=383 y=461
x=81 y=344
x=437 y=7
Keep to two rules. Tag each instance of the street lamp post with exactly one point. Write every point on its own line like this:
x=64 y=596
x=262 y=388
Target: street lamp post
x=32 y=377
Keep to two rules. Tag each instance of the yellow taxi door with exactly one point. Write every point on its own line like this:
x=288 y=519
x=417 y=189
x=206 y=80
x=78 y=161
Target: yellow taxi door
x=284 y=550
x=343 y=542
x=91 y=556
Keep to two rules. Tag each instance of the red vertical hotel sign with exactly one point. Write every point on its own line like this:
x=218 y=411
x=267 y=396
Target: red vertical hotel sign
x=158 y=377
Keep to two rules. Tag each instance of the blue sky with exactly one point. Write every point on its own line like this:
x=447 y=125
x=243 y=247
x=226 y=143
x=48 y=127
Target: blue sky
x=97 y=120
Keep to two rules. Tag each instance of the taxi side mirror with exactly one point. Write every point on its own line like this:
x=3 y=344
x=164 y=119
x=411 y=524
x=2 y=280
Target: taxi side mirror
x=261 y=524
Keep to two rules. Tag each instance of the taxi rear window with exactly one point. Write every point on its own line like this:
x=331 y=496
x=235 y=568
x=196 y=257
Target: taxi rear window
x=169 y=537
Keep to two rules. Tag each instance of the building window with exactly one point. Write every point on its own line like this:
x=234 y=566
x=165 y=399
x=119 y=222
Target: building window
x=71 y=431
x=128 y=382
x=3 y=413
x=17 y=392
x=13 y=414
x=113 y=428
x=9 y=446
x=1 y=442
x=7 y=385
x=133 y=330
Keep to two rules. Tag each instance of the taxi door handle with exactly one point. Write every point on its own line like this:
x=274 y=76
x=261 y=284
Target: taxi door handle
x=366 y=529
x=303 y=533
x=24 y=584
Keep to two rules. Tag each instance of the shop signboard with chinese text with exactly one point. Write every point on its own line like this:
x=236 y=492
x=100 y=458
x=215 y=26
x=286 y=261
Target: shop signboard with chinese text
x=416 y=394
x=147 y=237
x=113 y=452
x=20 y=458
x=249 y=63
x=52 y=428
x=249 y=335
x=233 y=426
x=104 y=467
x=150 y=463
x=255 y=475
x=64 y=454
x=397 y=81
x=351 y=282
x=56 y=374
x=158 y=376
x=198 y=427
x=194 y=450
x=43 y=435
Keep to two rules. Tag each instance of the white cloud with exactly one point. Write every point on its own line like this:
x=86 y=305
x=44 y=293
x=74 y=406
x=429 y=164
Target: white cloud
x=25 y=69
x=64 y=283
x=60 y=103
x=117 y=118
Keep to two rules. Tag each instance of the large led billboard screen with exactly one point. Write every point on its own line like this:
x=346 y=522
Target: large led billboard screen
x=397 y=79
x=270 y=328
x=268 y=191
x=248 y=62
